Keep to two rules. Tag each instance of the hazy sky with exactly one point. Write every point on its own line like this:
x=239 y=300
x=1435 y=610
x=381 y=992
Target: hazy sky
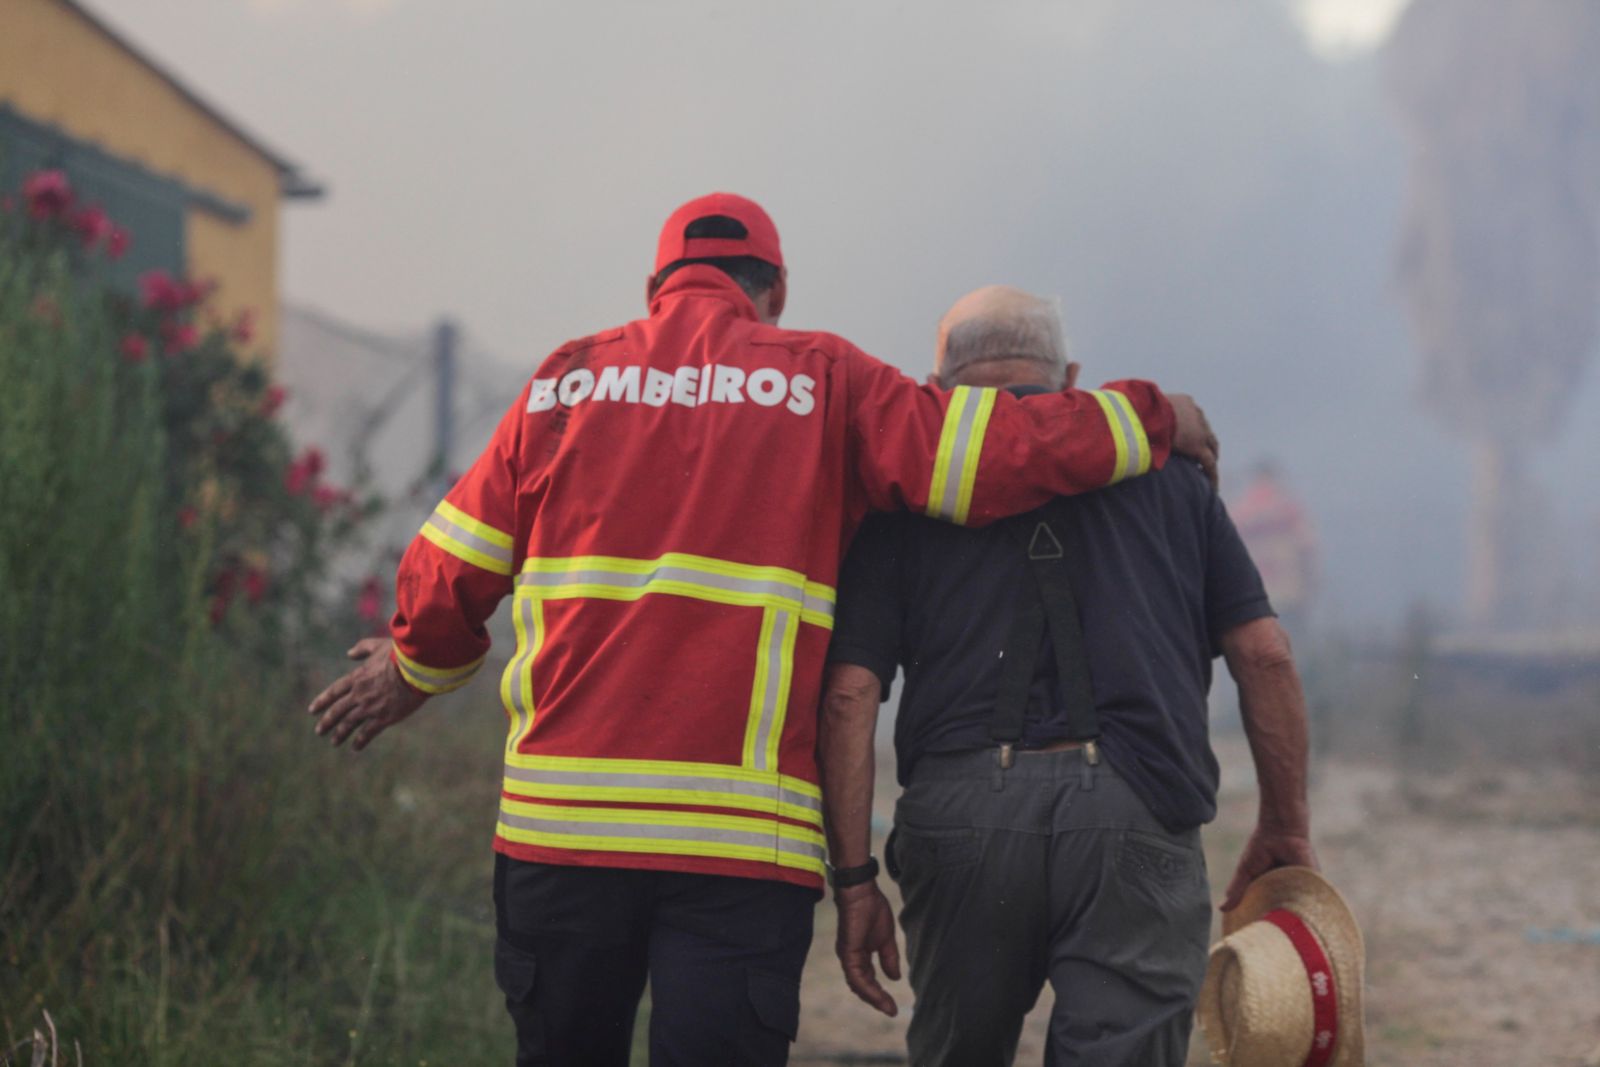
x=1210 y=189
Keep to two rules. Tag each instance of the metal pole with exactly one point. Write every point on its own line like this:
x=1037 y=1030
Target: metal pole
x=445 y=340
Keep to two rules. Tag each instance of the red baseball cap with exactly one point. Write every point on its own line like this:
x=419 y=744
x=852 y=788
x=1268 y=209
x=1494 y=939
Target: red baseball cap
x=760 y=240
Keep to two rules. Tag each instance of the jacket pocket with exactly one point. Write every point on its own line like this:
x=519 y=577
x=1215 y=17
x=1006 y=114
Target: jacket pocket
x=776 y=1001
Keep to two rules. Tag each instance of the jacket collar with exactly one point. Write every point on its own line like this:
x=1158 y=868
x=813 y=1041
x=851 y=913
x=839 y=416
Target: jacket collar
x=700 y=281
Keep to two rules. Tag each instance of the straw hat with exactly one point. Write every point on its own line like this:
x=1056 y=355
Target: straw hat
x=1283 y=988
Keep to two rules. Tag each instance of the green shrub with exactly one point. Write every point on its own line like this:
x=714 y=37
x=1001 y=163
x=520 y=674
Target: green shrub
x=186 y=876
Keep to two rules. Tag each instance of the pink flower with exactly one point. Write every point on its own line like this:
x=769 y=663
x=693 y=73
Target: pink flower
x=48 y=194
x=272 y=400
x=178 y=337
x=244 y=327
x=117 y=242
x=187 y=517
x=303 y=472
x=370 y=604
x=135 y=349
x=159 y=292
x=92 y=225
x=255 y=584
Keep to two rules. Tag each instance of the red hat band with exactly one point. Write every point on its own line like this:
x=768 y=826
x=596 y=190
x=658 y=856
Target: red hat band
x=1324 y=994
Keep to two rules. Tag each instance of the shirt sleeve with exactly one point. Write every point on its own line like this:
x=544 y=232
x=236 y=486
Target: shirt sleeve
x=971 y=456
x=459 y=567
x=1234 y=591
x=867 y=620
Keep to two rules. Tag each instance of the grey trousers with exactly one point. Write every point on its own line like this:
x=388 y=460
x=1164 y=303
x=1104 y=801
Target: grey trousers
x=1053 y=870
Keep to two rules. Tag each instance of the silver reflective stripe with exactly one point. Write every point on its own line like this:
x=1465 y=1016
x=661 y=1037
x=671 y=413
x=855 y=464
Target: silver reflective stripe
x=463 y=536
x=681 y=782
x=1135 y=453
x=669 y=573
x=713 y=835
x=816 y=605
x=772 y=694
x=958 y=456
x=520 y=663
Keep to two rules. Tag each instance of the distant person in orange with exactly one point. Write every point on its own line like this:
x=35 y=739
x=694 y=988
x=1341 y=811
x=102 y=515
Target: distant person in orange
x=1283 y=543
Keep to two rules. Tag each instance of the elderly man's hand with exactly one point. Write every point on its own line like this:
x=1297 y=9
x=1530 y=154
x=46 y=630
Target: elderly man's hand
x=1192 y=434
x=367 y=700
x=866 y=926
x=1268 y=849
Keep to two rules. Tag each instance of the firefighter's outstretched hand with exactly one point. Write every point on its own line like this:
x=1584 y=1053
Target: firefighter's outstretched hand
x=1192 y=435
x=367 y=700
x=866 y=927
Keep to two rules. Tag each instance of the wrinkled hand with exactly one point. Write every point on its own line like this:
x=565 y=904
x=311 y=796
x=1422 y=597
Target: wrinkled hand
x=1268 y=849
x=866 y=926
x=1192 y=435
x=367 y=700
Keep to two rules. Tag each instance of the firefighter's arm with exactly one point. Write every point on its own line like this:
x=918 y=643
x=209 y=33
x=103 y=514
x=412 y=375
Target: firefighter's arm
x=452 y=576
x=972 y=456
x=845 y=759
x=458 y=568
x=1273 y=707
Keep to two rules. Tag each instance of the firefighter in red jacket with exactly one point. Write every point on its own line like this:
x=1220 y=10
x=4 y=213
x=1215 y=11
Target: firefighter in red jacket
x=667 y=503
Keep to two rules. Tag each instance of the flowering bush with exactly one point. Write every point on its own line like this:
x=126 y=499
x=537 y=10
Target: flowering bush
x=258 y=522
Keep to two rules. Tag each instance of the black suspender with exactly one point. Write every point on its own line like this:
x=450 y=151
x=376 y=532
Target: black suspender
x=1045 y=596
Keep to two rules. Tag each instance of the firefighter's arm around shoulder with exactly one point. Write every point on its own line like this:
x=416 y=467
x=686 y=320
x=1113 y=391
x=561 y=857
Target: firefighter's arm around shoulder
x=972 y=456
x=458 y=568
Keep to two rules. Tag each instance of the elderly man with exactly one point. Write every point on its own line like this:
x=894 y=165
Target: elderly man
x=1055 y=778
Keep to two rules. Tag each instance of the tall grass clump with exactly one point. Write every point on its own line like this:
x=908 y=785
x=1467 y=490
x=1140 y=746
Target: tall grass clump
x=186 y=877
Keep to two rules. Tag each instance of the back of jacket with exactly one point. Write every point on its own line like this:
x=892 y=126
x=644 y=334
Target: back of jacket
x=668 y=502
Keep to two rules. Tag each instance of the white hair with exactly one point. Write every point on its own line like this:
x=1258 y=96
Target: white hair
x=1031 y=331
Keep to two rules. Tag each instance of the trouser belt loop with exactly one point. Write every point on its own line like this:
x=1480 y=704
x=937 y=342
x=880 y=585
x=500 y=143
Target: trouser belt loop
x=1005 y=755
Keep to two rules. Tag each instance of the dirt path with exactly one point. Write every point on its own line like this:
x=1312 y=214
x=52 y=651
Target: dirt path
x=1479 y=894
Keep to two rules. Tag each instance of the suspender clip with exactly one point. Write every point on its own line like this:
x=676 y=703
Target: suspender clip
x=1091 y=753
x=1008 y=755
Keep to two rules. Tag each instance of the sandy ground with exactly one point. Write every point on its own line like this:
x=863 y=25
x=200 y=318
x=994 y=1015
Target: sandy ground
x=1479 y=895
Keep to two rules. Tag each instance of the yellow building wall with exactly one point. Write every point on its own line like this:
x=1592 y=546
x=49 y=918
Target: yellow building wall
x=56 y=68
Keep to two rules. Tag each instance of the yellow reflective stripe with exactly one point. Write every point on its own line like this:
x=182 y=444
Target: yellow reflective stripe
x=661 y=847
x=660 y=817
x=948 y=436
x=710 y=798
x=758 y=692
x=1140 y=443
x=465 y=552
x=498 y=538
x=1119 y=470
x=565 y=564
x=516 y=682
x=435 y=679
x=598 y=765
x=679 y=574
x=785 y=680
x=969 y=468
x=661 y=832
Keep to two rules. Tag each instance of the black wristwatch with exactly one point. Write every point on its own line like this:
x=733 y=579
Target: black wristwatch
x=845 y=877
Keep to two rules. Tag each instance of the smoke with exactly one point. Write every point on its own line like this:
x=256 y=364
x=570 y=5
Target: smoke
x=1500 y=259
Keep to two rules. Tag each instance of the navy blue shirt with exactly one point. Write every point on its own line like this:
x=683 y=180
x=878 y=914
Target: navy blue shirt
x=1160 y=575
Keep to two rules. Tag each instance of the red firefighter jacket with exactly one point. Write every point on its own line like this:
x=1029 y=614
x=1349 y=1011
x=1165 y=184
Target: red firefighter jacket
x=667 y=503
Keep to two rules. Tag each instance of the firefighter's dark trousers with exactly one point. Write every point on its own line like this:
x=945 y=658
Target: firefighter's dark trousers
x=1051 y=870
x=723 y=956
